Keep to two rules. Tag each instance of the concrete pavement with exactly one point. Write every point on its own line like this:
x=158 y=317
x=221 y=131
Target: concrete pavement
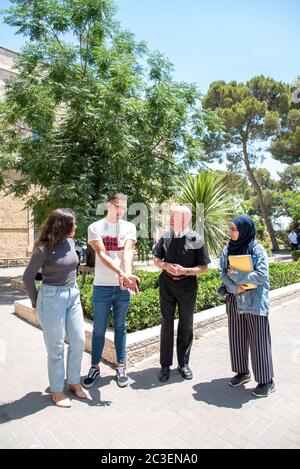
x=202 y=413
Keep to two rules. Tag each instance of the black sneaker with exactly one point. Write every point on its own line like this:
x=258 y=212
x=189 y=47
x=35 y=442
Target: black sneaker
x=122 y=378
x=263 y=390
x=239 y=379
x=94 y=373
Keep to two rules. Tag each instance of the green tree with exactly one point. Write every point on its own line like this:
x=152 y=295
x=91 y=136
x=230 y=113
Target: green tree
x=286 y=146
x=281 y=198
x=292 y=201
x=245 y=200
x=251 y=114
x=290 y=178
x=289 y=187
x=236 y=182
x=210 y=190
x=100 y=112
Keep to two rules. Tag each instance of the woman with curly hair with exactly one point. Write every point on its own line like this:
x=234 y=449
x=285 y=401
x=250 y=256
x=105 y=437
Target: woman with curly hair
x=58 y=302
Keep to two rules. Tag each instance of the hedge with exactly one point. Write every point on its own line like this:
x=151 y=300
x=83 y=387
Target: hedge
x=144 y=309
x=295 y=255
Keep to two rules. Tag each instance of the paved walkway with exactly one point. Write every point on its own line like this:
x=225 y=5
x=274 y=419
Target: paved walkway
x=203 y=413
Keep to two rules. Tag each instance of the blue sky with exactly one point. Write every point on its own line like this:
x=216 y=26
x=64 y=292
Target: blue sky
x=207 y=40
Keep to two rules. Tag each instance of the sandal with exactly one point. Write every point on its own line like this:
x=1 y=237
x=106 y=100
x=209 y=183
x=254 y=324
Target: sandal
x=78 y=391
x=61 y=400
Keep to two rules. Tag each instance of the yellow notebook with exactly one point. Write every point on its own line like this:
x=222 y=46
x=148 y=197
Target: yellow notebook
x=242 y=263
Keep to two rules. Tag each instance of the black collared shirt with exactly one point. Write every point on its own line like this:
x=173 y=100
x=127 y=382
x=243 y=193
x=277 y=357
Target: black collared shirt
x=187 y=251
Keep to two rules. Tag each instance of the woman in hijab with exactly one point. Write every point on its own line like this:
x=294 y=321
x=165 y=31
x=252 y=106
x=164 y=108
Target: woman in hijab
x=248 y=310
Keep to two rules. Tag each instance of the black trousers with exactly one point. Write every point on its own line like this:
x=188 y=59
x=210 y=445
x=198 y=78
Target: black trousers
x=172 y=293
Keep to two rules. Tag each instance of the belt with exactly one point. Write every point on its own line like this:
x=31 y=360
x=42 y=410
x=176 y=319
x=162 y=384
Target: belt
x=175 y=278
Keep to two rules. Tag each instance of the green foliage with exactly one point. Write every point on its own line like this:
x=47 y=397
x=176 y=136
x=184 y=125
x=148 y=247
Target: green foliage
x=296 y=255
x=207 y=296
x=210 y=190
x=86 y=291
x=143 y=248
x=252 y=113
x=105 y=112
x=144 y=310
x=282 y=275
x=286 y=146
x=292 y=203
x=281 y=197
x=290 y=178
x=147 y=279
x=266 y=243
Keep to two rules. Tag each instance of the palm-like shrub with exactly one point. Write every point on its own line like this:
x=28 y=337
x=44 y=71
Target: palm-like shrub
x=218 y=206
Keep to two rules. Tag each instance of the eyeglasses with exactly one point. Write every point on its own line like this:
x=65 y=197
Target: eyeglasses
x=231 y=228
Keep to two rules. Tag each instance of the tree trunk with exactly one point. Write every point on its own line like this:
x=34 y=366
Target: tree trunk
x=263 y=208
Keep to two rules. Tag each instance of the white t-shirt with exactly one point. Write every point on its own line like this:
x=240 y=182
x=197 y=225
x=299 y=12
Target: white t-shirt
x=114 y=236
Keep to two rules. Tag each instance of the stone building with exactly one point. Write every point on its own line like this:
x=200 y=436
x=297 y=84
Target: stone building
x=16 y=229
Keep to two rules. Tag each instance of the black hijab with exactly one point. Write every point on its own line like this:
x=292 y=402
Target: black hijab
x=244 y=243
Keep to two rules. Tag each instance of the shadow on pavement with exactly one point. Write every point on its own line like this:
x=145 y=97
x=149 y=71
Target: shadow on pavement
x=29 y=404
x=218 y=393
x=148 y=379
x=36 y=401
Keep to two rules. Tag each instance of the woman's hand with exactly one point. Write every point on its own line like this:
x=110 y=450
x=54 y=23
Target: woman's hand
x=240 y=289
x=229 y=272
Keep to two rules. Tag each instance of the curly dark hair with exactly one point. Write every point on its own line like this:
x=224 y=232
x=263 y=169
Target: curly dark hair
x=56 y=228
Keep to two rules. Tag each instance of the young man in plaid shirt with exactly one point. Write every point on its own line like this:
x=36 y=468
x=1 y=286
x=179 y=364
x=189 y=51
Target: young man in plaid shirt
x=112 y=239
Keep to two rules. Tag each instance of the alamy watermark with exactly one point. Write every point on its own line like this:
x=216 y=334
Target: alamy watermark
x=155 y=220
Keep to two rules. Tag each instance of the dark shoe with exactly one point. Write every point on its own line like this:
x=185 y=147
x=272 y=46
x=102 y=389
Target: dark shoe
x=94 y=373
x=185 y=372
x=164 y=374
x=263 y=390
x=239 y=379
x=122 y=378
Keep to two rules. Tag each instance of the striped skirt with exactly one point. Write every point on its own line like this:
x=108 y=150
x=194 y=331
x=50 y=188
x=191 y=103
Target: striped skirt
x=248 y=331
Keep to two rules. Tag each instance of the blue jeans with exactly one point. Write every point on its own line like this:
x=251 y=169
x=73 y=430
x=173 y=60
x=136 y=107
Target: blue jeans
x=59 y=311
x=103 y=299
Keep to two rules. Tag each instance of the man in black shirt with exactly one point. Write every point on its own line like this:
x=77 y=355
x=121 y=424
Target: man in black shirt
x=182 y=255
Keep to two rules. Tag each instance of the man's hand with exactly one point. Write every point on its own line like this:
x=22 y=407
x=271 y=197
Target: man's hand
x=128 y=281
x=171 y=269
x=240 y=289
x=179 y=270
x=136 y=290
